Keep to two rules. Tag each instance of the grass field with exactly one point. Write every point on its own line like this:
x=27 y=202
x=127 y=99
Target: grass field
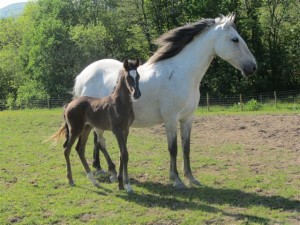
x=34 y=188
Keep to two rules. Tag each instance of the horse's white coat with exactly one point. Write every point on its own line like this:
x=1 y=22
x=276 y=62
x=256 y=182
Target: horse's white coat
x=170 y=88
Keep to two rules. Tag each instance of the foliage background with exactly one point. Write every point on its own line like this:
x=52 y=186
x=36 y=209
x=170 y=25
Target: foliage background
x=44 y=49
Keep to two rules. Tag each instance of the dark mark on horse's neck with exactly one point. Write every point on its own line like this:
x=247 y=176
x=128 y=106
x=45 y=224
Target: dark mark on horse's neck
x=171 y=75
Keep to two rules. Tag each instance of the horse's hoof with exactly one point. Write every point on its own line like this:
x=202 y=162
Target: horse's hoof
x=179 y=186
x=71 y=183
x=96 y=185
x=113 y=178
x=194 y=183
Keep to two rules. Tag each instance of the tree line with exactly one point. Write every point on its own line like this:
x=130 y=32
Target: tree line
x=43 y=50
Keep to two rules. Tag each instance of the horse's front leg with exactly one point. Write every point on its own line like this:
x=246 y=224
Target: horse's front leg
x=171 y=130
x=123 y=168
x=185 y=131
x=96 y=156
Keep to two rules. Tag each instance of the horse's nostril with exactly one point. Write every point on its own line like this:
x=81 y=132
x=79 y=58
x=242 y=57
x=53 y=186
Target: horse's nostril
x=254 y=68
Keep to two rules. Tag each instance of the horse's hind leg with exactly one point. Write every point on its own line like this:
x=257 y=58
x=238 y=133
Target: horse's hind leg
x=81 y=152
x=102 y=146
x=67 y=152
x=185 y=130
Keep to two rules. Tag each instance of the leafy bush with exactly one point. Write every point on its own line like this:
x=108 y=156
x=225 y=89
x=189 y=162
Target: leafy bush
x=253 y=105
x=10 y=101
x=29 y=94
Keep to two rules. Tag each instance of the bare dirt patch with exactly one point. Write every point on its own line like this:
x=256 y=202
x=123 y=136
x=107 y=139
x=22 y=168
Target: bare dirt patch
x=271 y=131
x=261 y=144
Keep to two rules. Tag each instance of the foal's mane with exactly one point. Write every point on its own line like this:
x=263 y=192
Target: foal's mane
x=120 y=76
x=175 y=40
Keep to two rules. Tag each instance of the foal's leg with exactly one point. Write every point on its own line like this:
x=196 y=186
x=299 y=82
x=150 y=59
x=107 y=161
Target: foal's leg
x=171 y=131
x=67 y=152
x=123 y=169
x=185 y=131
x=96 y=156
x=102 y=146
x=81 y=152
x=125 y=164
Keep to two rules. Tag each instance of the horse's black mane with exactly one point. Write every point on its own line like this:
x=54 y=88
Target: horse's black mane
x=175 y=40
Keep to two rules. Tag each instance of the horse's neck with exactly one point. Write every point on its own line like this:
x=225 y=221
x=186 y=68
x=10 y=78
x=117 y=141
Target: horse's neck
x=196 y=57
x=121 y=92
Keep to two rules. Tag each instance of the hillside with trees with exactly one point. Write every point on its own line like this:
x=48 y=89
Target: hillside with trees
x=44 y=49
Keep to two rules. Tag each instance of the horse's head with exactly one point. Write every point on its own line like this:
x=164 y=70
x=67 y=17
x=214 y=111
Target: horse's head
x=132 y=77
x=231 y=47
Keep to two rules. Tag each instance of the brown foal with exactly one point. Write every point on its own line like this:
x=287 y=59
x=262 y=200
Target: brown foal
x=113 y=112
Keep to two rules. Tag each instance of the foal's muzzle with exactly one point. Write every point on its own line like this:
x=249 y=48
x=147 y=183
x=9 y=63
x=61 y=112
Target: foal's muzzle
x=137 y=93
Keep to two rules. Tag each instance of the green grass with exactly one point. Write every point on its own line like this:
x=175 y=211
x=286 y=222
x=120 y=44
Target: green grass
x=250 y=108
x=34 y=188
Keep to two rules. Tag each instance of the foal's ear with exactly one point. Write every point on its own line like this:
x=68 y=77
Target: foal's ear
x=137 y=62
x=125 y=64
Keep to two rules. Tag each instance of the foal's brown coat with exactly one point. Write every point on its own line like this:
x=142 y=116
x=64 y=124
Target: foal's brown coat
x=113 y=112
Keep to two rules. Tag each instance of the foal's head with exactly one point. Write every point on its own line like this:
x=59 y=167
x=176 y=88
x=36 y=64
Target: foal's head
x=132 y=77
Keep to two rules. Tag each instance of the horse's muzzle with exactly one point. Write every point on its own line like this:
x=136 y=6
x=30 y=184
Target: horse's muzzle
x=249 y=69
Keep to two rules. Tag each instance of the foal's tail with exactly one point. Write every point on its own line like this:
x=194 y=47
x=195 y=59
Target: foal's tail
x=62 y=131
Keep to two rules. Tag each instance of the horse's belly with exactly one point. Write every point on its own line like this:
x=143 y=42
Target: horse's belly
x=146 y=112
x=190 y=106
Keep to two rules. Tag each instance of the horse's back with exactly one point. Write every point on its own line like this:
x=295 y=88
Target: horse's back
x=98 y=79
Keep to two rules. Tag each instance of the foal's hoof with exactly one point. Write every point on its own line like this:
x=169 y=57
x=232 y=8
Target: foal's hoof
x=101 y=173
x=179 y=186
x=113 y=178
x=128 y=188
x=71 y=183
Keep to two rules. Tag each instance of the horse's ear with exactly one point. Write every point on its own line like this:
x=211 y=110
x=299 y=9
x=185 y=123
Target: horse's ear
x=125 y=64
x=137 y=62
x=232 y=17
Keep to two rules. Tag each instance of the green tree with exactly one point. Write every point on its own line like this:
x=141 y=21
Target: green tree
x=280 y=22
x=48 y=53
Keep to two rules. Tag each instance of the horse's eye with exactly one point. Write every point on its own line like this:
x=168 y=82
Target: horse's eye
x=235 y=39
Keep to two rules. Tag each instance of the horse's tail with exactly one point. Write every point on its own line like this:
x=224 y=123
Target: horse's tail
x=62 y=131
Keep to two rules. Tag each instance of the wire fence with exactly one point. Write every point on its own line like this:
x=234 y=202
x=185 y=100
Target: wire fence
x=292 y=96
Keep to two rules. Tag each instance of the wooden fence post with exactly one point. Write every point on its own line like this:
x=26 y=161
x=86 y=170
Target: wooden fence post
x=275 y=98
x=261 y=101
x=49 y=102
x=241 y=102
x=207 y=101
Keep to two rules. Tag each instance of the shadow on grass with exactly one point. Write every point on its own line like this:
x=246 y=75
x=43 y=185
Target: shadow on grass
x=166 y=196
x=221 y=196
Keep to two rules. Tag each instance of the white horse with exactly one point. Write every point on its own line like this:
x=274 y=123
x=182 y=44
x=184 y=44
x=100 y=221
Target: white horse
x=170 y=80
